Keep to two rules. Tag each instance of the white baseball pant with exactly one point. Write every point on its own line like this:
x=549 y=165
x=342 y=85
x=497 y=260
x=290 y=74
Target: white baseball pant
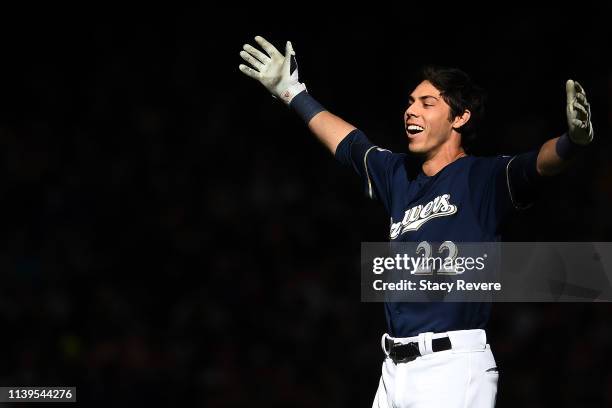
x=463 y=377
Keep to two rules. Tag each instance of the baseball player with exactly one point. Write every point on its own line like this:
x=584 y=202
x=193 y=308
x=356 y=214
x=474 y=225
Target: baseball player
x=436 y=353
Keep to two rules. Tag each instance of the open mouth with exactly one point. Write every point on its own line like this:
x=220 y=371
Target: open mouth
x=414 y=129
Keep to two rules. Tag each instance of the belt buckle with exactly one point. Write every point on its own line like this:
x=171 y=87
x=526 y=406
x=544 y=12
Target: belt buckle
x=412 y=345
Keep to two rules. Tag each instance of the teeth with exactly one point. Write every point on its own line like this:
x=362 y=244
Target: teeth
x=415 y=127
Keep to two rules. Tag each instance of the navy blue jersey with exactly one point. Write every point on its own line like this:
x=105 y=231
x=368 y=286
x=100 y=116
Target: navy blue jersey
x=466 y=201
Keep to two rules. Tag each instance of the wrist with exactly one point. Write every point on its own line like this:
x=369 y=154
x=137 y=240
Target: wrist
x=566 y=148
x=306 y=106
x=291 y=92
x=580 y=139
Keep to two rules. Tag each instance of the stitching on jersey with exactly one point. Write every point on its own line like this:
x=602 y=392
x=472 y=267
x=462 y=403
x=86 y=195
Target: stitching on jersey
x=514 y=204
x=365 y=165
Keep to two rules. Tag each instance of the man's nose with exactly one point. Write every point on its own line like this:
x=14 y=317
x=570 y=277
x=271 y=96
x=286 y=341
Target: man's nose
x=410 y=112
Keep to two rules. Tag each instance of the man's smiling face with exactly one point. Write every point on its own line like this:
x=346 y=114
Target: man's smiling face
x=427 y=119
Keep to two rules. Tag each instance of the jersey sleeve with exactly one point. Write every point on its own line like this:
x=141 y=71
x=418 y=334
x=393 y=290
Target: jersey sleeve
x=502 y=185
x=374 y=165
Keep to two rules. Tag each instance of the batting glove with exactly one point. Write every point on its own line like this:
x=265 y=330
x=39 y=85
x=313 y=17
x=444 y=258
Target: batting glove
x=273 y=70
x=578 y=114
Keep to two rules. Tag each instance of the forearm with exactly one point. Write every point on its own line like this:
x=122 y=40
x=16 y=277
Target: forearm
x=327 y=127
x=549 y=162
x=556 y=155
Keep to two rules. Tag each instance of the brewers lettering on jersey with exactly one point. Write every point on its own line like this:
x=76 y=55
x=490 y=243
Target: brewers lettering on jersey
x=435 y=353
x=420 y=214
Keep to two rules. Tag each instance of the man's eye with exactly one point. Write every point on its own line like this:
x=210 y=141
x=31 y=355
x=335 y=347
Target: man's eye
x=428 y=104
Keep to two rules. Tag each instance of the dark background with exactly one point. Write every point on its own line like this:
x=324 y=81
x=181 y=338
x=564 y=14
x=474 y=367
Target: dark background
x=172 y=235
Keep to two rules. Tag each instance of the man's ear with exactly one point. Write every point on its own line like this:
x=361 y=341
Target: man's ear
x=462 y=119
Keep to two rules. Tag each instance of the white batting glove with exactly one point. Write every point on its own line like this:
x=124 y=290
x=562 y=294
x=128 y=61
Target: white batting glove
x=273 y=70
x=578 y=114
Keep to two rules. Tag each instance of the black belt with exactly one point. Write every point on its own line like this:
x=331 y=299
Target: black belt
x=402 y=353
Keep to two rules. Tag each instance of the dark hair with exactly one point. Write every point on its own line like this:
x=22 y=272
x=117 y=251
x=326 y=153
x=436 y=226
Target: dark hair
x=460 y=93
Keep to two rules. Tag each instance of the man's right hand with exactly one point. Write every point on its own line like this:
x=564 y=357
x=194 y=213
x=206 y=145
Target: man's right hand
x=272 y=70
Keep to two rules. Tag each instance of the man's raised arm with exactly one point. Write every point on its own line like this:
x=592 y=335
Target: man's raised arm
x=525 y=171
x=279 y=74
